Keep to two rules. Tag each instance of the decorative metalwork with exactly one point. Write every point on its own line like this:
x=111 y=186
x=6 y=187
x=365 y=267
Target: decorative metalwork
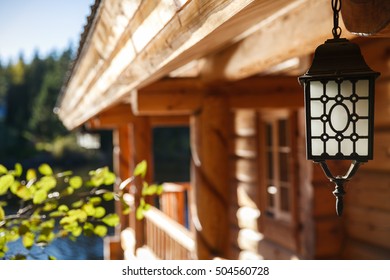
x=339 y=101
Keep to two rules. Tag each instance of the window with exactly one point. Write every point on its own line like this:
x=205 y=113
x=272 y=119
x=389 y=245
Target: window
x=278 y=172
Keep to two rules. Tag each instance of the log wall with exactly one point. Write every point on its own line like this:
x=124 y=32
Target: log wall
x=367 y=213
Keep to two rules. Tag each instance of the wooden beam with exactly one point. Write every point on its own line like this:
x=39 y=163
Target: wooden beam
x=367 y=17
x=174 y=97
x=169 y=97
x=165 y=121
x=113 y=117
x=294 y=31
x=265 y=92
x=210 y=169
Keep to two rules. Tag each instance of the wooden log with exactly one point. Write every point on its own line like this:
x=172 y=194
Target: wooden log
x=369 y=189
x=367 y=18
x=381 y=160
x=274 y=41
x=209 y=144
x=142 y=147
x=244 y=147
x=358 y=250
x=369 y=225
x=245 y=123
x=264 y=92
x=113 y=117
x=169 y=97
x=123 y=164
x=329 y=236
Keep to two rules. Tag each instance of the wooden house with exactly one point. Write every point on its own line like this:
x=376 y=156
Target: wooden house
x=228 y=70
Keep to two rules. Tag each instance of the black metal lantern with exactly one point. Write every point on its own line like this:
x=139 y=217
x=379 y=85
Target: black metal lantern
x=339 y=102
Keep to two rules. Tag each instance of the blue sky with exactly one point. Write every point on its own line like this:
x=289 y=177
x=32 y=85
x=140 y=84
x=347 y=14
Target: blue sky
x=43 y=25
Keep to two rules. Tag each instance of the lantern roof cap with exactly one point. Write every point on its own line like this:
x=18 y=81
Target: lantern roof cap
x=338 y=57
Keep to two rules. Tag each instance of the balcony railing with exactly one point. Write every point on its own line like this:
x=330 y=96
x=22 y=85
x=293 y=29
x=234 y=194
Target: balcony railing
x=166 y=238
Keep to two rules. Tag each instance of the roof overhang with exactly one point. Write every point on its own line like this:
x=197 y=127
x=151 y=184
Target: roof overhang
x=130 y=44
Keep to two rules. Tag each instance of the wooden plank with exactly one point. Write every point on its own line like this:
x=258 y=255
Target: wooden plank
x=209 y=144
x=276 y=40
x=367 y=18
x=169 y=97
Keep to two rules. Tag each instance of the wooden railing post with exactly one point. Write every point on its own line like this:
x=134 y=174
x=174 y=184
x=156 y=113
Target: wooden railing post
x=209 y=177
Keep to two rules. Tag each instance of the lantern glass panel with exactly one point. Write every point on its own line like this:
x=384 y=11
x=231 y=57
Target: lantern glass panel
x=338 y=118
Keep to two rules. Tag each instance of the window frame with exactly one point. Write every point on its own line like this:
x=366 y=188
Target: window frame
x=275 y=212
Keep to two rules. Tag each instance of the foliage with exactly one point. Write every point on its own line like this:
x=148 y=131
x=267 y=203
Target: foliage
x=60 y=205
x=28 y=94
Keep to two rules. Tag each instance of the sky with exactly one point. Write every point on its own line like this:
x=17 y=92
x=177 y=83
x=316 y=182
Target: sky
x=44 y=25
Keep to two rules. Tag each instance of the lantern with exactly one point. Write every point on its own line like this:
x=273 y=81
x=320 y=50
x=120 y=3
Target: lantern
x=339 y=105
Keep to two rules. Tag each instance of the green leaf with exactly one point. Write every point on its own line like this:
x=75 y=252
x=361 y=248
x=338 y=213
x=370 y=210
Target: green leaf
x=56 y=214
x=111 y=220
x=78 y=214
x=2 y=214
x=31 y=174
x=100 y=230
x=63 y=208
x=108 y=196
x=95 y=200
x=99 y=212
x=40 y=196
x=47 y=183
x=45 y=169
x=139 y=214
x=77 y=204
x=3 y=169
x=50 y=206
x=147 y=206
x=88 y=229
x=140 y=169
x=77 y=231
x=51 y=258
x=5 y=182
x=18 y=170
x=160 y=189
x=109 y=179
x=126 y=209
x=22 y=191
x=48 y=224
x=28 y=240
x=89 y=209
x=76 y=182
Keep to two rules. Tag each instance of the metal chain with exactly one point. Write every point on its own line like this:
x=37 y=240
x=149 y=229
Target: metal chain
x=336 y=6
